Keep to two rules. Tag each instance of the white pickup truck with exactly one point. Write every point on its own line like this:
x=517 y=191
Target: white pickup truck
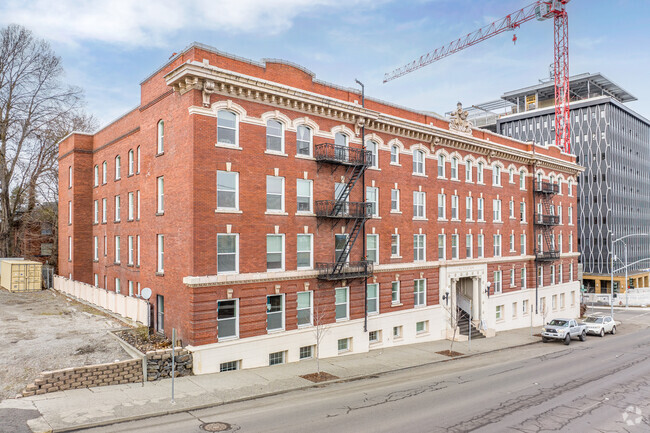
x=564 y=329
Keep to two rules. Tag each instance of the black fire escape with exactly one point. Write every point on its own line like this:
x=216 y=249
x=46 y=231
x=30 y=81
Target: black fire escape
x=545 y=221
x=355 y=161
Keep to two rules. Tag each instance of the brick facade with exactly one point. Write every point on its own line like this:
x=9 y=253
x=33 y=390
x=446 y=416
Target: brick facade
x=255 y=92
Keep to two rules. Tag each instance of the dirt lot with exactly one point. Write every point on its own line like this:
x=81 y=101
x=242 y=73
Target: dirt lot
x=47 y=331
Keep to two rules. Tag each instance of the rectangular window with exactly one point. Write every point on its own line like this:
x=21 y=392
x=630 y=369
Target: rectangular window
x=138 y=255
x=344 y=345
x=513 y=281
x=96 y=212
x=514 y=310
x=69 y=248
x=570 y=215
x=70 y=177
x=571 y=274
x=479 y=246
x=394 y=292
x=454 y=246
x=496 y=208
x=95 y=248
x=420 y=292
x=394 y=245
x=276 y=358
x=419 y=204
x=552 y=274
x=274 y=136
x=118 y=168
x=227 y=318
x=137 y=200
x=562 y=301
x=117 y=208
x=479 y=209
x=522 y=211
x=229 y=366
x=394 y=200
x=479 y=172
x=118 y=285
x=372 y=197
x=227 y=253
x=559 y=273
x=306 y=352
x=554 y=302
x=419 y=252
x=131 y=207
x=69 y=212
x=540 y=276
x=511 y=208
x=341 y=304
x=339 y=246
x=522 y=180
x=524 y=308
x=468 y=246
x=274 y=312
x=499 y=312
x=454 y=207
x=130 y=245
x=512 y=242
x=373 y=298
x=418 y=162
x=303 y=141
x=227 y=190
x=523 y=278
x=468 y=171
x=274 y=194
x=522 y=243
x=374 y=336
x=304 y=195
x=497 y=282
x=441 y=206
x=394 y=154
x=96 y=176
x=304 y=248
x=160 y=268
x=496 y=175
x=441 y=165
x=468 y=208
x=117 y=249
x=422 y=327
x=160 y=201
x=372 y=248
x=397 y=332
x=304 y=308
x=105 y=246
x=454 y=168
x=131 y=162
x=274 y=252
x=497 y=245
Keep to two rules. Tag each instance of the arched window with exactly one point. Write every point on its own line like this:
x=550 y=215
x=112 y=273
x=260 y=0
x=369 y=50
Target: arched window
x=96 y=173
x=226 y=127
x=496 y=175
x=161 y=137
x=441 y=165
x=454 y=168
x=511 y=175
x=118 y=167
x=372 y=147
x=570 y=187
x=131 y=162
x=522 y=180
x=104 y=171
x=468 y=171
x=418 y=162
x=303 y=140
x=340 y=139
x=274 y=136
x=479 y=172
x=394 y=154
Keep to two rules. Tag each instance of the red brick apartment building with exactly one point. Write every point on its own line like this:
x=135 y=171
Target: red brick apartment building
x=236 y=190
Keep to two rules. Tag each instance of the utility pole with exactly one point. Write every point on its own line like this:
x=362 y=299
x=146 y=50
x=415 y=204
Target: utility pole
x=363 y=200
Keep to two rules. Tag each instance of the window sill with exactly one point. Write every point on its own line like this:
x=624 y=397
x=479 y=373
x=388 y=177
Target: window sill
x=275 y=270
x=396 y=164
x=279 y=213
x=419 y=175
x=117 y=263
x=342 y=320
x=455 y=180
x=442 y=219
x=159 y=154
x=421 y=334
x=455 y=220
x=130 y=220
x=468 y=181
x=234 y=337
x=130 y=175
x=396 y=304
x=395 y=257
x=420 y=219
x=307 y=157
x=227 y=211
x=95 y=260
x=117 y=221
x=274 y=331
x=160 y=213
x=228 y=146
x=130 y=265
x=374 y=168
x=160 y=274
x=273 y=152
x=469 y=220
x=375 y=217
x=396 y=212
x=441 y=178
x=307 y=214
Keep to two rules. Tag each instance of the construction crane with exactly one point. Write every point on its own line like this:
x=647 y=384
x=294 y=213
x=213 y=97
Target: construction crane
x=540 y=10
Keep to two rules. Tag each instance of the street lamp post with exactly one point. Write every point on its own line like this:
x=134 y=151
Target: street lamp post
x=611 y=296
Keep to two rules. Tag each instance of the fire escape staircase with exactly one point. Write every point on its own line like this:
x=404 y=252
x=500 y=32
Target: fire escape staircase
x=545 y=221
x=356 y=162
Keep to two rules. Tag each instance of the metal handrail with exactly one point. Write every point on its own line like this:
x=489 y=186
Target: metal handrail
x=342 y=154
x=327 y=271
x=547 y=255
x=344 y=209
x=546 y=187
x=547 y=219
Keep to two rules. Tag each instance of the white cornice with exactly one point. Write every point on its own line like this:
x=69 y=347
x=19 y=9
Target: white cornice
x=211 y=79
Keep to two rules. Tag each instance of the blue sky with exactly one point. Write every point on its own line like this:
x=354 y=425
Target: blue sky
x=109 y=47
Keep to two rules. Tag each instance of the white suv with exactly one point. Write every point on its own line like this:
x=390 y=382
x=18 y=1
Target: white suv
x=600 y=325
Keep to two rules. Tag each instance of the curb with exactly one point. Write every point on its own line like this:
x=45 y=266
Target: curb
x=271 y=394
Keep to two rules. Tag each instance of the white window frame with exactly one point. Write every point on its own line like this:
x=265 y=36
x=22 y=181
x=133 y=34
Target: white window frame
x=281 y=136
x=118 y=249
x=311 y=250
x=160 y=143
x=442 y=246
x=373 y=191
x=96 y=175
x=480 y=246
x=131 y=162
x=421 y=248
x=419 y=292
x=418 y=163
x=131 y=211
x=496 y=210
x=522 y=244
x=236 y=192
x=345 y=290
x=454 y=246
x=310 y=294
x=454 y=168
x=310 y=143
x=469 y=245
x=160 y=195
x=468 y=170
x=104 y=172
x=118 y=208
x=442 y=206
x=374 y=311
x=376 y=238
x=497 y=245
x=130 y=250
x=95 y=248
x=374 y=150
x=394 y=154
x=236 y=129
x=394 y=200
x=118 y=167
x=468 y=208
x=522 y=180
x=480 y=209
x=454 y=208
x=479 y=172
x=282 y=313
x=393 y=237
x=235 y=319
x=282 y=267
x=96 y=212
x=395 y=292
x=497 y=283
x=441 y=166
x=310 y=183
x=236 y=253
x=160 y=254
x=419 y=205
x=281 y=210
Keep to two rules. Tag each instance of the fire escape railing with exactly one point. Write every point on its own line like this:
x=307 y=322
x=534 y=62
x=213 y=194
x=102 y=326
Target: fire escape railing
x=545 y=221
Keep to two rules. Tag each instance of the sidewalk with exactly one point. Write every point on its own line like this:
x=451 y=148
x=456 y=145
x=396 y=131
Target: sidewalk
x=67 y=410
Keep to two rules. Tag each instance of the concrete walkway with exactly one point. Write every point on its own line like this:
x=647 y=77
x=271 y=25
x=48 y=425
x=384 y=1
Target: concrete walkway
x=74 y=409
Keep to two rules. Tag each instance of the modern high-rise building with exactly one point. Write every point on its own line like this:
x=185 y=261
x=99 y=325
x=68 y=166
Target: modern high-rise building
x=612 y=142
x=261 y=205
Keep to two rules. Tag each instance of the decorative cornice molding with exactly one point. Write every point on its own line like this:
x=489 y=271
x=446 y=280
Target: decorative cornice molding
x=210 y=79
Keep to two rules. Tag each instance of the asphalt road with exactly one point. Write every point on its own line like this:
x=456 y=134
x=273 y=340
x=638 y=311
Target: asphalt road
x=602 y=384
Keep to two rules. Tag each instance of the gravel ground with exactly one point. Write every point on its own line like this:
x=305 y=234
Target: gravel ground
x=47 y=331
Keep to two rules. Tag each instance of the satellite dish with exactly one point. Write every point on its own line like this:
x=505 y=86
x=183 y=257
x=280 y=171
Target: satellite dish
x=146 y=293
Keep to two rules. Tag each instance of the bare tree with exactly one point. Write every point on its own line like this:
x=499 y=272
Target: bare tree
x=320 y=324
x=36 y=111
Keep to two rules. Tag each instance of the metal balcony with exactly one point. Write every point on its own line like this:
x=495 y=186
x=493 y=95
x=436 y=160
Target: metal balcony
x=350 y=270
x=546 y=187
x=547 y=220
x=334 y=209
x=337 y=154
x=547 y=256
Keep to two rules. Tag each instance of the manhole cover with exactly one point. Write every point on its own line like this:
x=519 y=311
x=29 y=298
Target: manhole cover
x=215 y=426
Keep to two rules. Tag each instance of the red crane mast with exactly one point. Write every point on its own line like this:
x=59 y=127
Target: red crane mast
x=541 y=10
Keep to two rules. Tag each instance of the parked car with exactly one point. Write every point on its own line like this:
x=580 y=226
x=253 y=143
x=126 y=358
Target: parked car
x=565 y=330
x=600 y=325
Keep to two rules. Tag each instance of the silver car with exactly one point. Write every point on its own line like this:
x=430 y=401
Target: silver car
x=600 y=325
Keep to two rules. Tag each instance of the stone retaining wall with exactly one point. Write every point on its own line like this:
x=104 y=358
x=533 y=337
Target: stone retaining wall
x=159 y=364
x=114 y=373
